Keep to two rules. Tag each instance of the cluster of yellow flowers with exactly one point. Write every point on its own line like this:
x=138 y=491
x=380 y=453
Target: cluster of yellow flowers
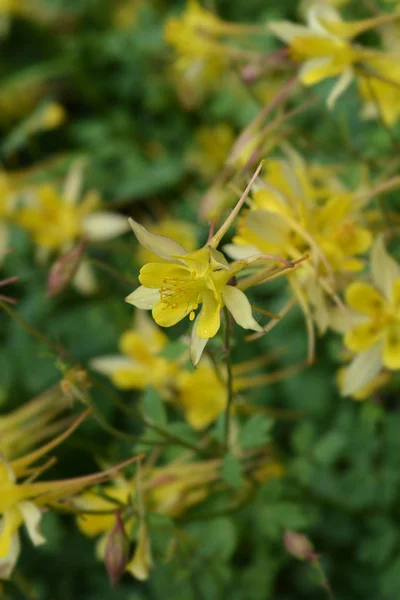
x=296 y=220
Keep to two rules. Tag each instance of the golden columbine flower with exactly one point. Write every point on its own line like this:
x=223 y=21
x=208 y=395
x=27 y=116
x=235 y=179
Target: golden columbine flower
x=374 y=332
x=175 y=289
x=169 y=490
x=298 y=208
x=22 y=500
x=325 y=49
x=140 y=362
x=201 y=394
x=57 y=219
x=212 y=146
x=39 y=419
x=200 y=63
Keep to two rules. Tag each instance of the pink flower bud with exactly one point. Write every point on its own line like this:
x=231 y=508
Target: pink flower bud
x=299 y=546
x=117 y=551
x=64 y=269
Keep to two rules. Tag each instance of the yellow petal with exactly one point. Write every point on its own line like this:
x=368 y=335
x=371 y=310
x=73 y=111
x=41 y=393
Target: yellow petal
x=142 y=561
x=364 y=299
x=396 y=295
x=158 y=275
x=168 y=314
x=318 y=69
x=340 y=87
x=209 y=318
x=130 y=379
x=362 y=336
x=9 y=524
x=391 y=347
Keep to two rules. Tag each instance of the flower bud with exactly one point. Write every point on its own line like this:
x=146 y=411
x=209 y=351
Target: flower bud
x=117 y=551
x=299 y=546
x=64 y=269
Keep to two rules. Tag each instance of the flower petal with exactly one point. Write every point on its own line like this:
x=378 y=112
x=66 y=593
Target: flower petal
x=197 y=345
x=391 y=347
x=101 y=226
x=209 y=317
x=84 y=279
x=268 y=225
x=107 y=365
x=153 y=275
x=385 y=270
x=239 y=307
x=364 y=298
x=32 y=516
x=340 y=87
x=143 y=298
x=8 y=562
x=362 y=370
x=318 y=69
x=287 y=31
x=161 y=245
x=238 y=252
x=363 y=336
x=169 y=314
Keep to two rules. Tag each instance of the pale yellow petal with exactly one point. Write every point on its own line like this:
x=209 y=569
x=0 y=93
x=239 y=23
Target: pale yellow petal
x=340 y=87
x=161 y=245
x=197 y=344
x=102 y=226
x=143 y=298
x=107 y=365
x=362 y=370
x=239 y=307
x=32 y=516
x=385 y=270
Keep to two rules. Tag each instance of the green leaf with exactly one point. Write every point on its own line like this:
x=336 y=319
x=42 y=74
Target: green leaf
x=231 y=471
x=154 y=408
x=255 y=432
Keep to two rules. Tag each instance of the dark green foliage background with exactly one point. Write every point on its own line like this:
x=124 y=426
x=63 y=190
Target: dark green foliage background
x=342 y=482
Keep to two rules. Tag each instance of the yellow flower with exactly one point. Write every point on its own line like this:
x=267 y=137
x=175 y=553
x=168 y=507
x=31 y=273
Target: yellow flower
x=324 y=47
x=56 y=219
x=382 y=98
x=374 y=333
x=212 y=148
x=176 y=289
x=23 y=428
x=298 y=210
x=202 y=395
x=169 y=490
x=140 y=363
x=192 y=36
x=181 y=231
x=21 y=502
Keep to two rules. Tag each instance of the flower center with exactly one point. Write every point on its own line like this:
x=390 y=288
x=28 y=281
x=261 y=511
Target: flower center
x=176 y=291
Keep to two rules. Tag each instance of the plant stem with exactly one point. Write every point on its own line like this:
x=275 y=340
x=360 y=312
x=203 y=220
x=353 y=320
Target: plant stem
x=229 y=403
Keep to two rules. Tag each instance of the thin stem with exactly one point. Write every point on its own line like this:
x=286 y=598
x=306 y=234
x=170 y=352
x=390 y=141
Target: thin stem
x=316 y=564
x=230 y=392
